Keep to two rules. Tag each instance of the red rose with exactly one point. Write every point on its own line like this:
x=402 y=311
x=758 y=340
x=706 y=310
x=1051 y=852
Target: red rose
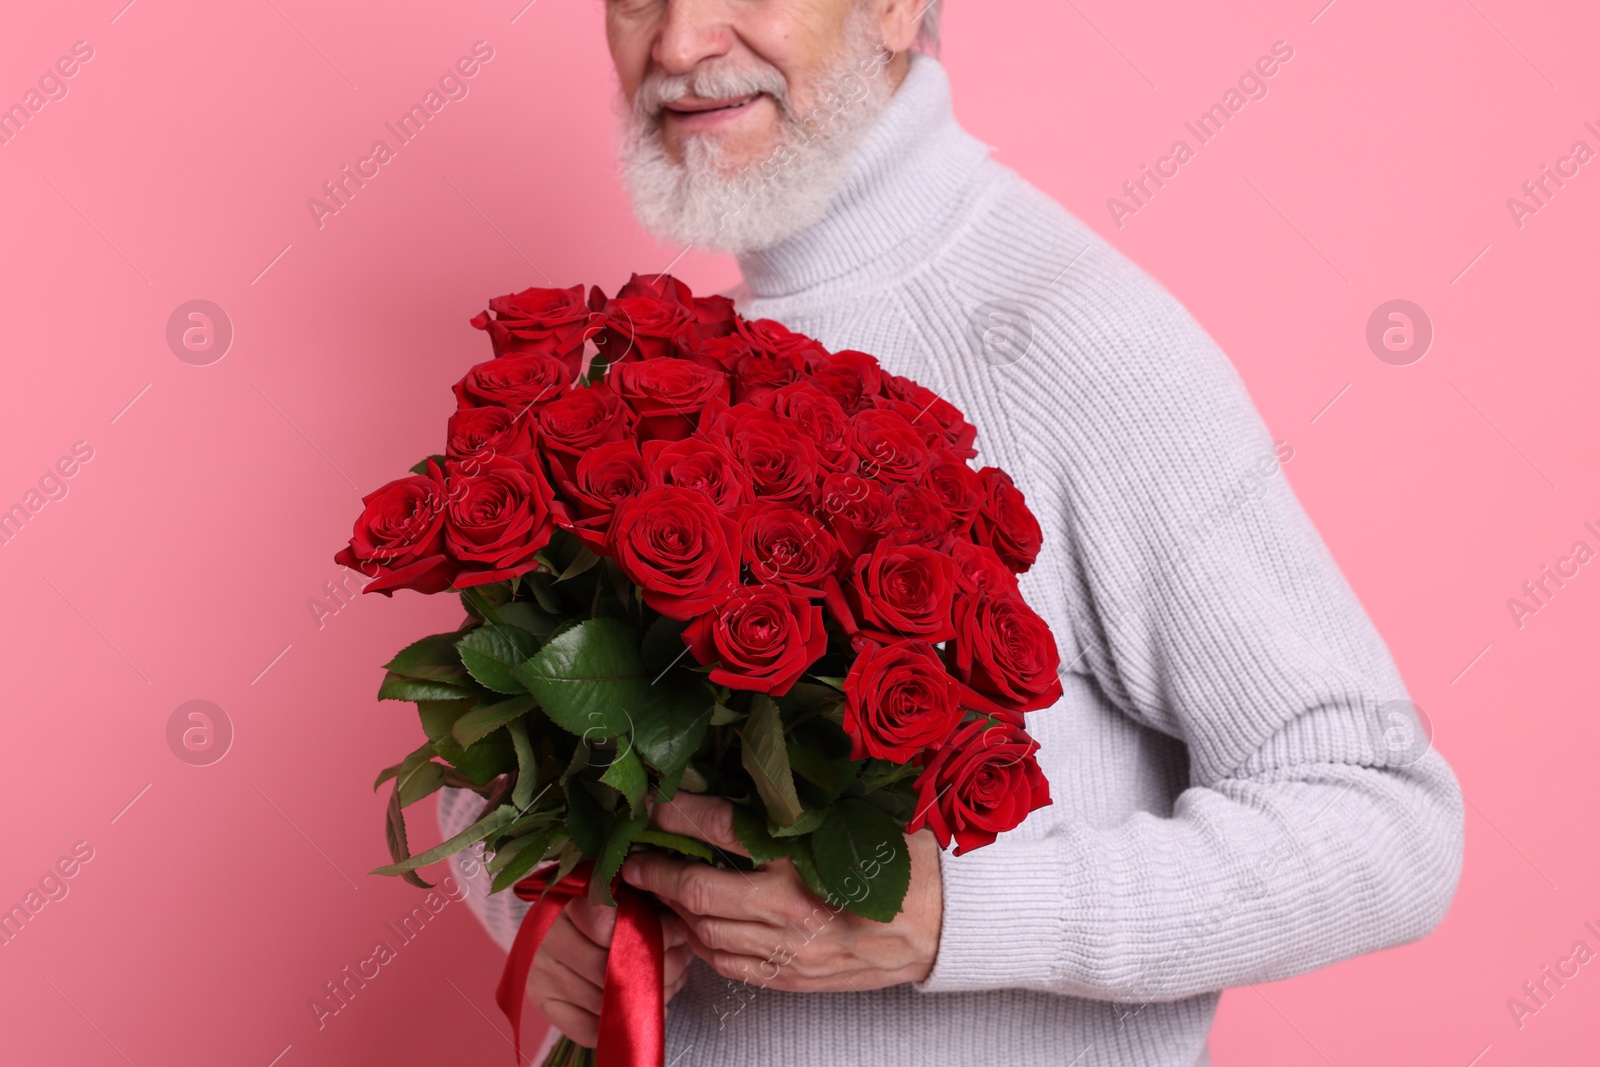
x=776 y=339
x=899 y=700
x=553 y=322
x=703 y=464
x=676 y=547
x=858 y=511
x=714 y=316
x=578 y=422
x=660 y=286
x=919 y=517
x=902 y=589
x=782 y=465
x=607 y=475
x=953 y=426
x=786 y=547
x=957 y=488
x=1004 y=522
x=498 y=516
x=758 y=373
x=668 y=394
x=890 y=448
x=979 y=572
x=639 y=326
x=477 y=434
x=820 y=418
x=761 y=639
x=852 y=378
x=1005 y=651
x=983 y=782
x=523 y=382
x=399 y=537
x=718 y=353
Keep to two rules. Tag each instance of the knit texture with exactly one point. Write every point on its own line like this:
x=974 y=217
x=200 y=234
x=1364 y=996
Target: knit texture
x=1226 y=808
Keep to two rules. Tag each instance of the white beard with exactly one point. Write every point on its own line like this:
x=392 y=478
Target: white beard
x=701 y=202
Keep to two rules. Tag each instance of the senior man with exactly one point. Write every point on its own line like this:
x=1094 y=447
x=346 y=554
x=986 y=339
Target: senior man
x=1241 y=792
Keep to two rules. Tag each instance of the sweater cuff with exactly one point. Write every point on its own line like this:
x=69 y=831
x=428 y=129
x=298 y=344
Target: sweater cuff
x=1007 y=915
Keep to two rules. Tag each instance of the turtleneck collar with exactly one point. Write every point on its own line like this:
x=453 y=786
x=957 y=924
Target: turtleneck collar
x=905 y=175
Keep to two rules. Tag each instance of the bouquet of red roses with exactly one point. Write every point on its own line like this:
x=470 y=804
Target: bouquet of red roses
x=704 y=553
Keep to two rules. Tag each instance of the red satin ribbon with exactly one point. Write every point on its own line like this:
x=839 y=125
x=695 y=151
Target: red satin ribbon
x=632 y=1015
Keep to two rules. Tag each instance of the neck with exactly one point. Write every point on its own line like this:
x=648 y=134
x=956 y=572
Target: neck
x=905 y=177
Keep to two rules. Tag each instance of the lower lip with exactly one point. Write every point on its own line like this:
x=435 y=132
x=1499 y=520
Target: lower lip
x=701 y=120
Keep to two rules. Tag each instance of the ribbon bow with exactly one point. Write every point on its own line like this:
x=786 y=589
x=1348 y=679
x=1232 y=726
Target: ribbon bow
x=632 y=1015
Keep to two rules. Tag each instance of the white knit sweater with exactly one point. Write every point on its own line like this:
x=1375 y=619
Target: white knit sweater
x=1229 y=807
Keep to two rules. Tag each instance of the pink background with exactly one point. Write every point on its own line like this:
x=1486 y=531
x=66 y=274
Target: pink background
x=181 y=561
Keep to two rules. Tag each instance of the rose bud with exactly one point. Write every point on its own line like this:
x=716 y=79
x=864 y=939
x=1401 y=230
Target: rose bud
x=607 y=475
x=981 y=783
x=677 y=548
x=523 y=382
x=787 y=547
x=704 y=464
x=852 y=378
x=859 y=512
x=1004 y=650
x=578 y=422
x=1004 y=522
x=761 y=639
x=477 y=434
x=899 y=700
x=902 y=589
x=399 y=537
x=889 y=447
x=498 y=516
x=819 y=417
x=668 y=395
x=551 y=322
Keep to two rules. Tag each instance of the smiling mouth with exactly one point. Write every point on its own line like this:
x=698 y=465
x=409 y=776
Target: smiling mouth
x=697 y=108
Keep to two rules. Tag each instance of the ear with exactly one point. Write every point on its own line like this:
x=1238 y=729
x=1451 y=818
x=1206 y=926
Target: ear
x=900 y=21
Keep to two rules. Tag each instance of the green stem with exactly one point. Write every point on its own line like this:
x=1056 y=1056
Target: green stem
x=482 y=605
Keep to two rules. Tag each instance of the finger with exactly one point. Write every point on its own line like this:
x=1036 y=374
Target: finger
x=568 y=948
x=675 y=973
x=703 y=890
x=673 y=933
x=582 y=1026
x=740 y=938
x=595 y=921
x=709 y=819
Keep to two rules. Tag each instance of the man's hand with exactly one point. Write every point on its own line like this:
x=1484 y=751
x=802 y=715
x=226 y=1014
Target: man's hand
x=570 y=969
x=768 y=929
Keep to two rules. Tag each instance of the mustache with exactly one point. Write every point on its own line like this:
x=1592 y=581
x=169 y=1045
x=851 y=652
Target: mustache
x=659 y=89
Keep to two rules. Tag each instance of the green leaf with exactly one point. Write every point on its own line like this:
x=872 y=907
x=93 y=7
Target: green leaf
x=524 y=861
x=391 y=772
x=419 y=777
x=421 y=466
x=482 y=762
x=721 y=716
x=539 y=586
x=526 y=616
x=586 y=819
x=432 y=659
x=585 y=560
x=438 y=716
x=485 y=719
x=837 y=683
x=669 y=726
x=751 y=829
x=808 y=821
x=619 y=838
x=689 y=846
x=766 y=758
x=394 y=830
x=663 y=646
x=805 y=865
x=490 y=651
x=399 y=687
x=465 y=839
x=527 y=765
x=626 y=775
x=862 y=859
x=589 y=680
x=815 y=768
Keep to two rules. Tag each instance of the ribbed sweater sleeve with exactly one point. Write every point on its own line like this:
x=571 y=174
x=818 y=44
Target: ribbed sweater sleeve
x=1204 y=605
